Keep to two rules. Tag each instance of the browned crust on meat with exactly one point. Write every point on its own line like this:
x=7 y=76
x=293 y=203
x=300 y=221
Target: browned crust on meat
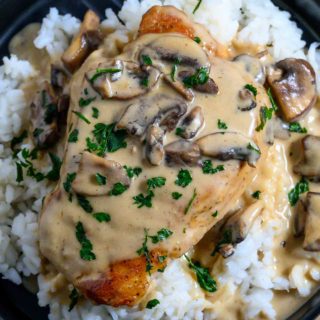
x=125 y=283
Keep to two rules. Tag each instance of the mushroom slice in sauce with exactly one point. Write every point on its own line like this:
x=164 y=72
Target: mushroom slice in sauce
x=253 y=66
x=58 y=77
x=85 y=182
x=246 y=100
x=299 y=219
x=122 y=79
x=229 y=145
x=276 y=128
x=293 y=85
x=309 y=166
x=192 y=123
x=44 y=115
x=177 y=57
x=161 y=109
x=182 y=153
x=154 y=144
x=86 y=41
x=312 y=231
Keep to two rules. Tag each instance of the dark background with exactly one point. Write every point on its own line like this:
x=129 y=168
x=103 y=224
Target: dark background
x=16 y=303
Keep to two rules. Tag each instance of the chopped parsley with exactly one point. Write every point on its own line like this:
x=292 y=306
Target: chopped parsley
x=19 y=139
x=84 y=203
x=197 y=6
x=144 y=251
x=100 y=72
x=152 y=303
x=296 y=127
x=253 y=148
x=102 y=216
x=186 y=210
x=215 y=214
x=204 y=278
x=207 y=167
x=144 y=201
x=156 y=182
x=265 y=115
x=256 y=195
x=54 y=173
x=251 y=88
x=117 y=189
x=301 y=187
x=86 y=246
x=161 y=235
x=176 y=195
x=36 y=132
x=173 y=72
x=274 y=106
x=161 y=259
x=179 y=132
x=19 y=172
x=82 y=117
x=73 y=136
x=74 y=298
x=147 y=60
x=95 y=113
x=85 y=102
x=200 y=77
x=68 y=183
x=101 y=180
x=145 y=82
x=106 y=139
x=222 y=125
x=131 y=172
x=184 y=178
x=197 y=39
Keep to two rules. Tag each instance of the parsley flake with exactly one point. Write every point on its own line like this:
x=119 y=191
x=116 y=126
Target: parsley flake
x=147 y=60
x=95 y=113
x=67 y=185
x=251 y=88
x=207 y=167
x=100 y=72
x=176 y=195
x=215 y=214
x=156 y=182
x=86 y=246
x=73 y=136
x=222 y=125
x=196 y=7
x=201 y=76
x=117 y=189
x=144 y=251
x=152 y=303
x=19 y=139
x=186 y=210
x=161 y=235
x=256 y=195
x=265 y=115
x=144 y=201
x=74 y=298
x=54 y=173
x=84 y=203
x=102 y=216
x=296 y=127
x=101 y=180
x=301 y=187
x=82 y=117
x=131 y=172
x=253 y=148
x=184 y=178
x=204 y=278
x=197 y=39
x=85 y=102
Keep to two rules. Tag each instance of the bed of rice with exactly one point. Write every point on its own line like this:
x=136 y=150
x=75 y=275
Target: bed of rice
x=247 y=21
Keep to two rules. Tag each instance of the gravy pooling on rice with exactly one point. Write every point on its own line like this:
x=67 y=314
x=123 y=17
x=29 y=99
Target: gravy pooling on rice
x=172 y=109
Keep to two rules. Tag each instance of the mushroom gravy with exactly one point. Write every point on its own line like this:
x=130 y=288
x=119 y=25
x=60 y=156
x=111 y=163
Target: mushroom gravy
x=119 y=239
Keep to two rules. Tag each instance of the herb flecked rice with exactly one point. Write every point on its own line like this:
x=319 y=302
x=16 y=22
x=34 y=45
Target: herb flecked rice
x=175 y=294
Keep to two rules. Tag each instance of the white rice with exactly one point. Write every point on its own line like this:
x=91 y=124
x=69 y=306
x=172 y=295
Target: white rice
x=249 y=21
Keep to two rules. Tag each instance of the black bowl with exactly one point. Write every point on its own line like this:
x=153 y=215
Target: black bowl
x=16 y=303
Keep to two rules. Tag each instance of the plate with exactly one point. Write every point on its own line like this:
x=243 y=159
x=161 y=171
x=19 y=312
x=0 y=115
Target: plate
x=16 y=302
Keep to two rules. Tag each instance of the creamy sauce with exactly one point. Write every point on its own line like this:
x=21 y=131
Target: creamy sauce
x=123 y=235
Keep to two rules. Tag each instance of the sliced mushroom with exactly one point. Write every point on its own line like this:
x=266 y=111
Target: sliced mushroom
x=85 y=182
x=192 y=123
x=154 y=145
x=312 y=231
x=172 y=54
x=276 y=128
x=63 y=108
x=86 y=41
x=44 y=115
x=182 y=153
x=209 y=86
x=122 y=79
x=58 y=78
x=293 y=85
x=246 y=100
x=161 y=109
x=253 y=66
x=229 y=145
x=299 y=219
x=241 y=222
x=309 y=166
